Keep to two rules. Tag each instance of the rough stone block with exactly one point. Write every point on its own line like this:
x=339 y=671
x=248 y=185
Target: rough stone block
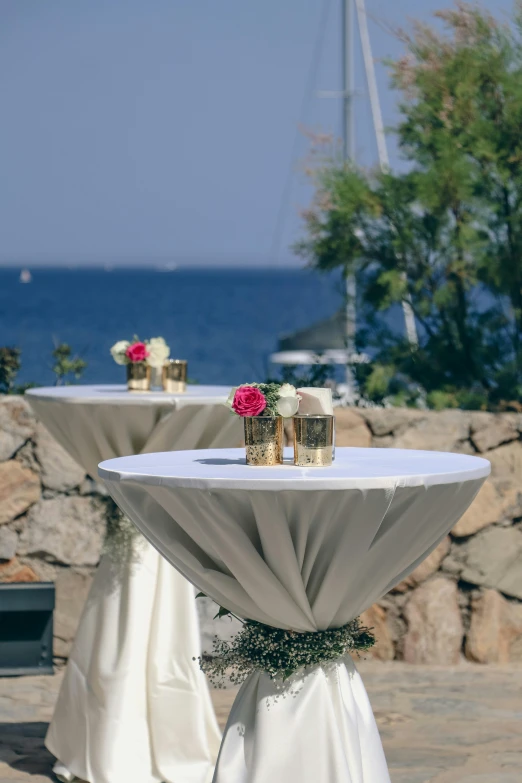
x=67 y=530
x=14 y=571
x=489 y=430
x=506 y=463
x=488 y=507
x=8 y=543
x=19 y=489
x=375 y=618
x=351 y=429
x=443 y=431
x=493 y=558
x=388 y=421
x=58 y=470
x=435 y=630
x=495 y=633
x=17 y=424
x=426 y=569
x=26 y=457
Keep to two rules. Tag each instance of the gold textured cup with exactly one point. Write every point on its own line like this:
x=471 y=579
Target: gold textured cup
x=313 y=440
x=174 y=376
x=138 y=377
x=264 y=440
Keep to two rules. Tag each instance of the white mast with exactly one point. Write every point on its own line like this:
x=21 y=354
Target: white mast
x=348 y=134
x=384 y=161
x=372 y=85
x=348 y=39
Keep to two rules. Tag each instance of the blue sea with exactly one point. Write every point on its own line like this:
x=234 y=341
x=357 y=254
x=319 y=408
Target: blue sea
x=224 y=322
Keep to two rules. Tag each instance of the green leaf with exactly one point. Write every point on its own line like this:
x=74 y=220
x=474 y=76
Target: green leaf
x=222 y=612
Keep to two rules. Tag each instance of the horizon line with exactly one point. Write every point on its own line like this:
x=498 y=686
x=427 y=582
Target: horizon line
x=150 y=267
x=155 y=265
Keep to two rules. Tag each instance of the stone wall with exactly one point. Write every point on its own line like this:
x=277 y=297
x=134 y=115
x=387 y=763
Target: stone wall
x=52 y=516
x=465 y=599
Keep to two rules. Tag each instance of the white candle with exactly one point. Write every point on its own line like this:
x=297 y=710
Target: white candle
x=316 y=401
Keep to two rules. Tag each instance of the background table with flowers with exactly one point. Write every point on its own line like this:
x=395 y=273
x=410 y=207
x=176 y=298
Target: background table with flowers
x=132 y=705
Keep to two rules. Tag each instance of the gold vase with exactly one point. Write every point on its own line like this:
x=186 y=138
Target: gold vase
x=264 y=440
x=138 y=377
x=174 y=376
x=313 y=440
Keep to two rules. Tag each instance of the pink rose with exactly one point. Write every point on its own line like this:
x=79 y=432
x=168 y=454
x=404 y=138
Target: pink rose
x=137 y=352
x=248 y=401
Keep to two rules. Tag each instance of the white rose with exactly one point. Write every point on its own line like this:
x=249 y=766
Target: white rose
x=288 y=402
x=118 y=351
x=287 y=390
x=158 y=350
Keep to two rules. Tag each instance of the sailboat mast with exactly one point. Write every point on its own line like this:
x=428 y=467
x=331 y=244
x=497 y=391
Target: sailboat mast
x=348 y=136
x=348 y=66
x=382 y=149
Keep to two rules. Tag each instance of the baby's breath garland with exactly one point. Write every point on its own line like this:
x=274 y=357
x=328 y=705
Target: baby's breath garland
x=121 y=537
x=280 y=653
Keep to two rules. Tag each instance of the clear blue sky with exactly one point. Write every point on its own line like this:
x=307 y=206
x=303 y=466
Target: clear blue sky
x=136 y=130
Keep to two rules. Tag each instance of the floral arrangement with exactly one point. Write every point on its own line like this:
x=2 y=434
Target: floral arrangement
x=154 y=351
x=264 y=399
x=278 y=652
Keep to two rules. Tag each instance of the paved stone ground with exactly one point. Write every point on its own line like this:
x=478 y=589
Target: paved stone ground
x=452 y=725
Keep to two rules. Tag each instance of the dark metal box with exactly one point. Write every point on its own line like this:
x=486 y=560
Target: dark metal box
x=26 y=628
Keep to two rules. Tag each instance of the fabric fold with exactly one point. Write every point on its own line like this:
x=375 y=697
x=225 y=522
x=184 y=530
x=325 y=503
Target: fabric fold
x=317 y=727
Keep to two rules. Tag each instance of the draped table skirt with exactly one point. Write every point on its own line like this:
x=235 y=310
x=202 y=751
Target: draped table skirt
x=133 y=706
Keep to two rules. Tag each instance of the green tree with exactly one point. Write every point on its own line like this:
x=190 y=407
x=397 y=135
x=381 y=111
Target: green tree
x=11 y=362
x=66 y=364
x=446 y=235
x=9 y=368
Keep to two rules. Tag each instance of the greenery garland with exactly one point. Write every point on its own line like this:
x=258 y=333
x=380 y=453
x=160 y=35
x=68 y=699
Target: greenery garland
x=121 y=536
x=278 y=652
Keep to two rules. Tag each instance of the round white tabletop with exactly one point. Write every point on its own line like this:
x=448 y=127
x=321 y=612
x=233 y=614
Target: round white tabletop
x=304 y=549
x=95 y=423
x=353 y=468
x=119 y=395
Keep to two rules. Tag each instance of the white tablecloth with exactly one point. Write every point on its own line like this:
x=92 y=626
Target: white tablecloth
x=133 y=705
x=300 y=548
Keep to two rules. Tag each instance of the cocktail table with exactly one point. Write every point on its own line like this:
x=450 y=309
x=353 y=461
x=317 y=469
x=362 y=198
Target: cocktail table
x=132 y=707
x=306 y=549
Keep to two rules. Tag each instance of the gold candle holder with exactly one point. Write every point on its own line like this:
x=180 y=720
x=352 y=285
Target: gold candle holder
x=264 y=440
x=138 y=377
x=174 y=376
x=313 y=440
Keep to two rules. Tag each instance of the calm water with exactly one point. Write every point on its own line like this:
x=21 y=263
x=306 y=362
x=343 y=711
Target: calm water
x=225 y=322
